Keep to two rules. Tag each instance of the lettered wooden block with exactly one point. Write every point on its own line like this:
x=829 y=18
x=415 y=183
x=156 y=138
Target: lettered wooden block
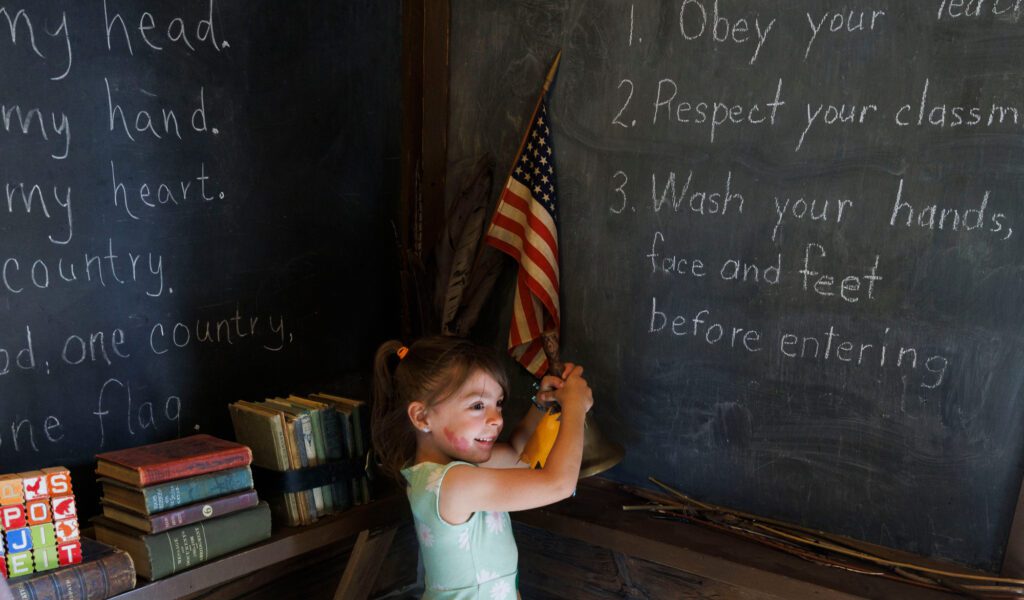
x=66 y=530
x=37 y=511
x=34 y=484
x=58 y=479
x=45 y=558
x=19 y=540
x=3 y=566
x=19 y=564
x=10 y=490
x=64 y=508
x=12 y=517
x=69 y=554
x=43 y=535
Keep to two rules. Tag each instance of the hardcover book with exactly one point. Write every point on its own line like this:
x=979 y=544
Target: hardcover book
x=161 y=554
x=172 y=494
x=104 y=572
x=184 y=515
x=175 y=459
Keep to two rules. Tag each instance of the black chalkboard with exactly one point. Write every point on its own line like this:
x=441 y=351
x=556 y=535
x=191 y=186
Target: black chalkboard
x=854 y=366
x=196 y=207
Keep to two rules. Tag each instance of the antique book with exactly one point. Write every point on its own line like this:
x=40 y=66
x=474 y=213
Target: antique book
x=175 y=459
x=183 y=515
x=161 y=554
x=172 y=494
x=263 y=430
x=104 y=572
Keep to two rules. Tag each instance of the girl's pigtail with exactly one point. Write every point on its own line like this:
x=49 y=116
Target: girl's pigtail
x=393 y=439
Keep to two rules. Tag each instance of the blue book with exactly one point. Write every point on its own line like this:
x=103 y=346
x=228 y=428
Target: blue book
x=172 y=494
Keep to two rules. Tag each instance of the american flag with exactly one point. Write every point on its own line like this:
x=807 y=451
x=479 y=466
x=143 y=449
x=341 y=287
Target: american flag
x=525 y=227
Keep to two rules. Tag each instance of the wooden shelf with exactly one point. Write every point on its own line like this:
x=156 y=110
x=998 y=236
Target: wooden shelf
x=595 y=516
x=286 y=543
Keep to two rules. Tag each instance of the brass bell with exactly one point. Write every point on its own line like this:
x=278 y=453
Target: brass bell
x=599 y=452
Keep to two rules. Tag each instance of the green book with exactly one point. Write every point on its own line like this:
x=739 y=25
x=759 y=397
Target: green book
x=162 y=554
x=172 y=494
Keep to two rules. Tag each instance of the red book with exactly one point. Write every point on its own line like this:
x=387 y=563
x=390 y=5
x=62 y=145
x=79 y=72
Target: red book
x=175 y=459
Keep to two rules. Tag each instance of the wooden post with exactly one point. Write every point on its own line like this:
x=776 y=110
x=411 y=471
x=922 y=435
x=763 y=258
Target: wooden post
x=364 y=563
x=1013 y=558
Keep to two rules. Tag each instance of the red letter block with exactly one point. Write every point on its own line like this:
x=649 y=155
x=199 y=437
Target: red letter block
x=70 y=554
x=12 y=517
x=10 y=490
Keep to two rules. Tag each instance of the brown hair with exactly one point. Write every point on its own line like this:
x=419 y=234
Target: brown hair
x=433 y=369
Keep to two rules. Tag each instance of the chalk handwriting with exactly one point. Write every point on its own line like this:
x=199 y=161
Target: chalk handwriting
x=21 y=197
x=157 y=36
x=31 y=122
x=167 y=123
x=20 y=21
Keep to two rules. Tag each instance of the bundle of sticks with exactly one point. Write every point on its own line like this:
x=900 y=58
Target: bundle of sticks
x=820 y=547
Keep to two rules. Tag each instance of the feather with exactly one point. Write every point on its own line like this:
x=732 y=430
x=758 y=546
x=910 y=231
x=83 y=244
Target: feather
x=485 y=274
x=471 y=196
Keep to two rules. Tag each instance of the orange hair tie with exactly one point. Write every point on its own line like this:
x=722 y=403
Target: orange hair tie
x=401 y=352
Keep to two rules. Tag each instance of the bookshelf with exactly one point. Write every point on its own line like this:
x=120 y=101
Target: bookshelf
x=286 y=543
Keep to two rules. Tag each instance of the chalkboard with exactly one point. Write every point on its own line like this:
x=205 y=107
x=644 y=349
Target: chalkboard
x=791 y=246
x=197 y=204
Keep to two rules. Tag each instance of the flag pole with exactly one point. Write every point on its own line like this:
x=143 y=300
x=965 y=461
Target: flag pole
x=536 y=107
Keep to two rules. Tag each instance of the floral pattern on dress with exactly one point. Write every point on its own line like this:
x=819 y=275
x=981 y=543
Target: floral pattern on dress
x=495 y=522
x=464 y=540
x=425 y=534
x=501 y=590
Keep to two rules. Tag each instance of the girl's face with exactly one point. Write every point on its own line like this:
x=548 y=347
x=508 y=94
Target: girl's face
x=465 y=426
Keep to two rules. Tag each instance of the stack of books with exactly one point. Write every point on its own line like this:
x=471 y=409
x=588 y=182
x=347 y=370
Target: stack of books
x=176 y=504
x=297 y=432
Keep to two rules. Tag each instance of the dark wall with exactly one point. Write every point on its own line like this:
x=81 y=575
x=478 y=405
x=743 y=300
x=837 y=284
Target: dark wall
x=854 y=368
x=261 y=260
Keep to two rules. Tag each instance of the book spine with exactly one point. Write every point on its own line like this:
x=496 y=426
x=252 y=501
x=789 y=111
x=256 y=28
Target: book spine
x=179 y=493
x=104 y=577
x=217 y=507
x=188 y=546
x=199 y=465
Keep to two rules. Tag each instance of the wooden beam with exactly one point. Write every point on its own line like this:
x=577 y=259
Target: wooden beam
x=436 y=32
x=1013 y=558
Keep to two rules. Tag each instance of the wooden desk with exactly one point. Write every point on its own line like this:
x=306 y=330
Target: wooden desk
x=285 y=544
x=633 y=550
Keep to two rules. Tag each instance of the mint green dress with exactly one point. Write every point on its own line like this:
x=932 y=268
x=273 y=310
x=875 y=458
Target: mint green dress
x=476 y=560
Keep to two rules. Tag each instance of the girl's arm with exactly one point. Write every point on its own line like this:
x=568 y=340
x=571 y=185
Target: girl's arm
x=467 y=489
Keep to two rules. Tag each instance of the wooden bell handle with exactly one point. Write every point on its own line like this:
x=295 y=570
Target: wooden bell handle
x=555 y=365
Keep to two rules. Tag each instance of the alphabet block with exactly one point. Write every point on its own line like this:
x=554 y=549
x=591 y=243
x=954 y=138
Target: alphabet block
x=66 y=530
x=19 y=540
x=69 y=554
x=43 y=535
x=45 y=558
x=34 y=484
x=37 y=511
x=12 y=517
x=64 y=508
x=58 y=479
x=3 y=567
x=10 y=490
x=19 y=564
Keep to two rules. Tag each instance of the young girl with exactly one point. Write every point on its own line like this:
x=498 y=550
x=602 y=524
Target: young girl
x=436 y=420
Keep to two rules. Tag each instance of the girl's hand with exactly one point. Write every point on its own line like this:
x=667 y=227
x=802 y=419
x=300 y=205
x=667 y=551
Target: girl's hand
x=549 y=384
x=575 y=392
